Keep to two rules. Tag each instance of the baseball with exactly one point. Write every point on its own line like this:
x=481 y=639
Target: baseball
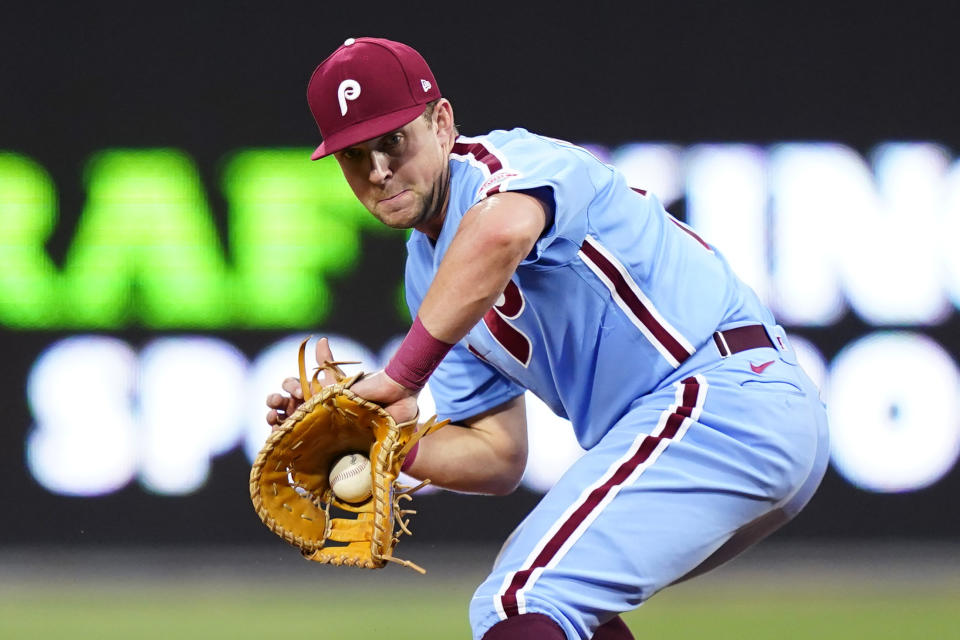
x=350 y=478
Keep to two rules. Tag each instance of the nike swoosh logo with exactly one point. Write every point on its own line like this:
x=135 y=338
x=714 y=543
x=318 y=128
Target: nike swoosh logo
x=758 y=368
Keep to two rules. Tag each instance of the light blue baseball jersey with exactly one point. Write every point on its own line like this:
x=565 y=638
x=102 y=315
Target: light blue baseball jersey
x=611 y=304
x=610 y=321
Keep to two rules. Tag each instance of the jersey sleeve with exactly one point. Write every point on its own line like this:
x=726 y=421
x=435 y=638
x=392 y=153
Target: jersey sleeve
x=562 y=175
x=462 y=386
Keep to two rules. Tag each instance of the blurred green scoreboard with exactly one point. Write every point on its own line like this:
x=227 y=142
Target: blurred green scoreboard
x=140 y=355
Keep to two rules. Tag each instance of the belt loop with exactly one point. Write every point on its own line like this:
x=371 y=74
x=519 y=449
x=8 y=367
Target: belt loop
x=721 y=342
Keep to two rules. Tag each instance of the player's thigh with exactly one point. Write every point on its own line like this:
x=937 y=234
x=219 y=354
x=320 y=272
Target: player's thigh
x=785 y=510
x=634 y=514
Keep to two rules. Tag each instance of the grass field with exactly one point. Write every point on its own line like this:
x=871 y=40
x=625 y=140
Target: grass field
x=761 y=598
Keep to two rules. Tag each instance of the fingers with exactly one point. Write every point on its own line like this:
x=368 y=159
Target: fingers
x=292 y=386
x=273 y=418
x=324 y=354
x=323 y=351
x=281 y=406
x=279 y=401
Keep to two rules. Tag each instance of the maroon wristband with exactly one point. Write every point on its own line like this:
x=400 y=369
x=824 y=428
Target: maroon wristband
x=411 y=456
x=419 y=354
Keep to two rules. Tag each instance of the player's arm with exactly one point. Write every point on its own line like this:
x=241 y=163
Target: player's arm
x=493 y=237
x=486 y=454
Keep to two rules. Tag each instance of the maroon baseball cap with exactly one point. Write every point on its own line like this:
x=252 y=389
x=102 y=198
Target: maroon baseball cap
x=366 y=88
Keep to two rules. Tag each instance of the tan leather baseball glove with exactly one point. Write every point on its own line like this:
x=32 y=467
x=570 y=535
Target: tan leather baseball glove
x=289 y=482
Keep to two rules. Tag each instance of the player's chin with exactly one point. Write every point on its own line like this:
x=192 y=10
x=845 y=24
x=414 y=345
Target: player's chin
x=405 y=218
x=396 y=222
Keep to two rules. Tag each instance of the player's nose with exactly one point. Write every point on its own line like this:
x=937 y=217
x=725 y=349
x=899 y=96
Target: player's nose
x=380 y=170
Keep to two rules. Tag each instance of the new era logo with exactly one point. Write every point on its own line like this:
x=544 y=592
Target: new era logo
x=425 y=84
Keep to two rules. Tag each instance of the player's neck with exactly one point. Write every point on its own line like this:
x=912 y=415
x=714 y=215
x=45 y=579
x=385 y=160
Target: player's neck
x=432 y=228
x=432 y=223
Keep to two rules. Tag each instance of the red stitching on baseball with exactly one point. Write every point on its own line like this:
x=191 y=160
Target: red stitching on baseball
x=349 y=473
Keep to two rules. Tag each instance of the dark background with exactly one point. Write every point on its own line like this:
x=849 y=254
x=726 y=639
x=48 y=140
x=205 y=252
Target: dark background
x=79 y=77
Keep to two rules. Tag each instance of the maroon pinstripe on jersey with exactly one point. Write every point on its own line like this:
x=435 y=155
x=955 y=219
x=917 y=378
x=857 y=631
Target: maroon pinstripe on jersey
x=691 y=233
x=628 y=296
x=480 y=153
x=684 y=227
x=672 y=426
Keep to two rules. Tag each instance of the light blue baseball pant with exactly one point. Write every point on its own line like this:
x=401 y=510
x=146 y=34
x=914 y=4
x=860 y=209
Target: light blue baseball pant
x=694 y=473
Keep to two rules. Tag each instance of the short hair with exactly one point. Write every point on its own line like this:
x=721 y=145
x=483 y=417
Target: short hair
x=428 y=111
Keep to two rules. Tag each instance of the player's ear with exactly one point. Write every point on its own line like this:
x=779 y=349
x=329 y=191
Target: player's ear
x=443 y=119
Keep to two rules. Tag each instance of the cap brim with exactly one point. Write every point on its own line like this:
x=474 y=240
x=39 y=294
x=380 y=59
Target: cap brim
x=367 y=130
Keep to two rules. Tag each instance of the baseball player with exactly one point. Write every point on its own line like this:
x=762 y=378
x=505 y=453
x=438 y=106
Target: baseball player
x=533 y=265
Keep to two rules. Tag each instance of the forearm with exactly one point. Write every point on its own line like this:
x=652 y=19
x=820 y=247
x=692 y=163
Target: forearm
x=488 y=456
x=491 y=241
x=463 y=459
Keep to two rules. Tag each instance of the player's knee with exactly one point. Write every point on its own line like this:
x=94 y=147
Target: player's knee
x=613 y=629
x=522 y=627
x=540 y=619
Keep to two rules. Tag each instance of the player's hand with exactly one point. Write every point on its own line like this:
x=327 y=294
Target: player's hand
x=282 y=405
x=400 y=402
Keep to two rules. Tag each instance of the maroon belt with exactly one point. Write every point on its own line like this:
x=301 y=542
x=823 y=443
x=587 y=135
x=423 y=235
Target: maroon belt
x=731 y=341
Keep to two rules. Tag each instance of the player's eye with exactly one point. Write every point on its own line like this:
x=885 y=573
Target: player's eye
x=392 y=140
x=350 y=154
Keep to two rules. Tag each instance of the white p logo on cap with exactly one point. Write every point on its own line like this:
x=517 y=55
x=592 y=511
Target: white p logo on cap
x=348 y=90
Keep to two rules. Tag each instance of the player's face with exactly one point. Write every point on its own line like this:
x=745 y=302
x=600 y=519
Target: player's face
x=402 y=177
